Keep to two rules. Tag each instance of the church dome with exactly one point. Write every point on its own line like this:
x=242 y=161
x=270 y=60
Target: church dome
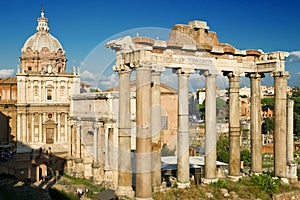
x=42 y=38
x=42 y=51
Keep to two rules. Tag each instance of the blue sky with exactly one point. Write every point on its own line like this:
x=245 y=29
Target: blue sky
x=83 y=27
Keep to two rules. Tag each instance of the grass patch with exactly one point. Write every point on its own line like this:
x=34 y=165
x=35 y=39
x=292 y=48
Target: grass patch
x=81 y=181
x=261 y=186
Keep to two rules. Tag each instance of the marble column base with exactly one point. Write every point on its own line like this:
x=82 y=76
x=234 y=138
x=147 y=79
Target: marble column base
x=150 y=198
x=209 y=181
x=234 y=178
x=183 y=185
x=125 y=193
x=79 y=168
x=292 y=172
x=96 y=172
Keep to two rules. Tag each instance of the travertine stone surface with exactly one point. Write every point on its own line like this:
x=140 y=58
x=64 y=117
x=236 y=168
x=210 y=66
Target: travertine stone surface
x=156 y=126
x=183 y=169
x=210 y=127
x=234 y=125
x=280 y=134
x=143 y=133
x=124 y=142
x=255 y=125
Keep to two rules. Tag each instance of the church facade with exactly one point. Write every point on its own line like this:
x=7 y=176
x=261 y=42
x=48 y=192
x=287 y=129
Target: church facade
x=44 y=90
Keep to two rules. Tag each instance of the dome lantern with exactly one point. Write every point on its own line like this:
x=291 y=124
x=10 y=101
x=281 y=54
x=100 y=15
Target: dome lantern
x=42 y=22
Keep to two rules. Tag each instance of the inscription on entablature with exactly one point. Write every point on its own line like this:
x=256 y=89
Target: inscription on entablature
x=271 y=65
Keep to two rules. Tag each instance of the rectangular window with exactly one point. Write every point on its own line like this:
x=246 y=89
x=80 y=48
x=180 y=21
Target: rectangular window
x=164 y=122
x=36 y=134
x=49 y=94
x=36 y=90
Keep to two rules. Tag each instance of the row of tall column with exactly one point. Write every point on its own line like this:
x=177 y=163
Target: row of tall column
x=148 y=128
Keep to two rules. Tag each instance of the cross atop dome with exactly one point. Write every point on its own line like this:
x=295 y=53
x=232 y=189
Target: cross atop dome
x=42 y=22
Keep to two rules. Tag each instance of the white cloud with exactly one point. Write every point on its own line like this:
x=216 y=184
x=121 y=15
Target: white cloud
x=86 y=75
x=294 y=56
x=108 y=81
x=100 y=80
x=6 y=72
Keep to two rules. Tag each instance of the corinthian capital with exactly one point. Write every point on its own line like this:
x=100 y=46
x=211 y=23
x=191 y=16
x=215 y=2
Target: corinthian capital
x=122 y=68
x=184 y=71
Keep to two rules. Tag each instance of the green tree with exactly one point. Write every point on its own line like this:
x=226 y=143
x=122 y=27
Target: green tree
x=220 y=105
x=296 y=92
x=268 y=125
x=246 y=157
x=296 y=115
x=267 y=101
x=223 y=149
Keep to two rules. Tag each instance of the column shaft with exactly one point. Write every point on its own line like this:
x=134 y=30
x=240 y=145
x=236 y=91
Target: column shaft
x=234 y=125
x=210 y=127
x=96 y=128
x=183 y=169
x=124 y=137
x=255 y=125
x=143 y=133
x=78 y=141
x=290 y=131
x=280 y=160
x=155 y=129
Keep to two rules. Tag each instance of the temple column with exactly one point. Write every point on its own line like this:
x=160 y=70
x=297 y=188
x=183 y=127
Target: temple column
x=124 y=189
x=79 y=161
x=96 y=145
x=255 y=123
x=280 y=157
x=292 y=164
x=210 y=127
x=143 y=133
x=290 y=130
x=96 y=169
x=107 y=150
x=156 y=125
x=69 y=159
x=234 y=126
x=78 y=141
x=183 y=162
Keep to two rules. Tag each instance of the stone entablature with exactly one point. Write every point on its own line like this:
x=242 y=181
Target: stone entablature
x=198 y=49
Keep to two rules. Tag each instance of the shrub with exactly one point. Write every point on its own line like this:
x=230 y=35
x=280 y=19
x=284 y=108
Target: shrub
x=266 y=183
x=246 y=157
x=219 y=184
